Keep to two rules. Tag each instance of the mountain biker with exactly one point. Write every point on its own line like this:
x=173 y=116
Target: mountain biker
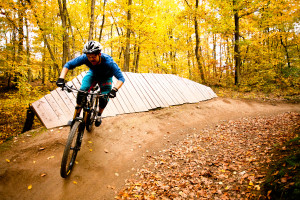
x=102 y=69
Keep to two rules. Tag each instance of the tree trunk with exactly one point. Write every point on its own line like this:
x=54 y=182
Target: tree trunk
x=237 y=55
x=136 y=55
x=103 y=21
x=27 y=42
x=197 y=53
x=127 y=49
x=214 y=55
x=286 y=52
x=44 y=36
x=92 y=20
x=20 y=28
x=43 y=66
x=111 y=44
x=63 y=15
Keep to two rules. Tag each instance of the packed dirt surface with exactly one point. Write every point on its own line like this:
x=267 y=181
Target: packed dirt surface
x=30 y=163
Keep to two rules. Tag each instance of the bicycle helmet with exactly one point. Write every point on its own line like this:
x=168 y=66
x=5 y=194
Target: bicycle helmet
x=92 y=47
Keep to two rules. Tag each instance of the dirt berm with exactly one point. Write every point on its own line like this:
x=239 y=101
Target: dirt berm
x=30 y=163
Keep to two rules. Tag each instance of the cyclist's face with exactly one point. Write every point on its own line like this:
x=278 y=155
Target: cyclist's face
x=94 y=58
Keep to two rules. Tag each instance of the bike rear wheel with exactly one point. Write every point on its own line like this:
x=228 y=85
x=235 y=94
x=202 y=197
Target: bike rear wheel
x=71 y=149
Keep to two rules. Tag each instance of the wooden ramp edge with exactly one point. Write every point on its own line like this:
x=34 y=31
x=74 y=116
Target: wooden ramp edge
x=140 y=92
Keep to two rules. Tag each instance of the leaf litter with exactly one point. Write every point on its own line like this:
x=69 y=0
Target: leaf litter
x=229 y=161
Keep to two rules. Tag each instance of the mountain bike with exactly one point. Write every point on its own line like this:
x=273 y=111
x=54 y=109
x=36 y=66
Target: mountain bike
x=84 y=118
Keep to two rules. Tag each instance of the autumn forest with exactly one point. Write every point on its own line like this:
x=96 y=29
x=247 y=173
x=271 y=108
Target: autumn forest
x=252 y=45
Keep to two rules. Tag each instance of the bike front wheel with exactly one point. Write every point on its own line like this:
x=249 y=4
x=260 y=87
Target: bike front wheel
x=92 y=115
x=71 y=149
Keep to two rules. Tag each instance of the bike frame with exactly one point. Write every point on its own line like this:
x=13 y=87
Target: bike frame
x=87 y=106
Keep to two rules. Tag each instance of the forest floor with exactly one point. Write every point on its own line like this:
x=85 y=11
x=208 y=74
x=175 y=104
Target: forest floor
x=216 y=149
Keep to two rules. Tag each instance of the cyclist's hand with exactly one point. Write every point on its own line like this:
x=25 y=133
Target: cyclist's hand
x=60 y=82
x=113 y=93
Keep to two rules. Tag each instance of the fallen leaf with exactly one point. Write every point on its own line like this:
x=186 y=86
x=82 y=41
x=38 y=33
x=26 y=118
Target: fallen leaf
x=283 y=180
x=274 y=174
x=268 y=195
x=91 y=150
x=75 y=182
x=257 y=187
x=7 y=160
x=29 y=187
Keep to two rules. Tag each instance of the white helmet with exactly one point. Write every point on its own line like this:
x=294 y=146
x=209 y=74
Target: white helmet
x=92 y=47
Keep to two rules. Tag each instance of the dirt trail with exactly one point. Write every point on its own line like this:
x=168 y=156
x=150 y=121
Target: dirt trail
x=112 y=152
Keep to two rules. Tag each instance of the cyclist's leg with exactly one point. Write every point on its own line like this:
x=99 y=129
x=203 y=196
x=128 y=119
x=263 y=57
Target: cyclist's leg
x=105 y=87
x=87 y=82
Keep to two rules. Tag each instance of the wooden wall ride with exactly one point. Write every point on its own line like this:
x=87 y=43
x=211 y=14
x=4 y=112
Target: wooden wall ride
x=140 y=92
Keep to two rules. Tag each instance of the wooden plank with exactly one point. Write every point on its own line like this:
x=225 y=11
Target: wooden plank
x=178 y=87
x=63 y=106
x=112 y=107
x=170 y=87
x=79 y=78
x=117 y=106
x=142 y=91
x=139 y=90
x=150 y=92
x=56 y=108
x=194 y=91
x=198 y=87
x=127 y=97
x=202 y=90
x=76 y=83
x=164 y=91
x=46 y=114
x=185 y=89
x=72 y=95
x=198 y=91
x=123 y=99
x=156 y=89
x=136 y=100
x=70 y=103
x=167 y=91
x=109 y=111
x=116 y=100
x=210 y=91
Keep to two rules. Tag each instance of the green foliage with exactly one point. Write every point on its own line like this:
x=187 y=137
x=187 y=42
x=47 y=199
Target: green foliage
x=283 y=180
x=13 y=107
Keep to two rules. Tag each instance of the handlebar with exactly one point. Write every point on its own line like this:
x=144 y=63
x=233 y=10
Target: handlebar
x=93 y=92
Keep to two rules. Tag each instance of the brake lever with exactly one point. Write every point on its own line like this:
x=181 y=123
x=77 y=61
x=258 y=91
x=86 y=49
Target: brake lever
x=69 y=88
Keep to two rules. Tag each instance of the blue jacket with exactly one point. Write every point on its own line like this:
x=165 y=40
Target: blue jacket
x=106 y=69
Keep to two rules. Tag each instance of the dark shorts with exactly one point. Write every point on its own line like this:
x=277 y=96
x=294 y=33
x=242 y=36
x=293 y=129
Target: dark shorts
x=90 y=80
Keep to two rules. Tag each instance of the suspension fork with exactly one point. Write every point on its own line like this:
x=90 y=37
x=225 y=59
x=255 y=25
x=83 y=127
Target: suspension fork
x=77 y=111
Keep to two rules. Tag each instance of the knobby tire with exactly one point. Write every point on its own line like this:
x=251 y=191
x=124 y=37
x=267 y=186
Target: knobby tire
x=71 y=149
x=92 y=115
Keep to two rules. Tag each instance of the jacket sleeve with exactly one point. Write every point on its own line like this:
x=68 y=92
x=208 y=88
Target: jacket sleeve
x=117 y=72
x=80 y=60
